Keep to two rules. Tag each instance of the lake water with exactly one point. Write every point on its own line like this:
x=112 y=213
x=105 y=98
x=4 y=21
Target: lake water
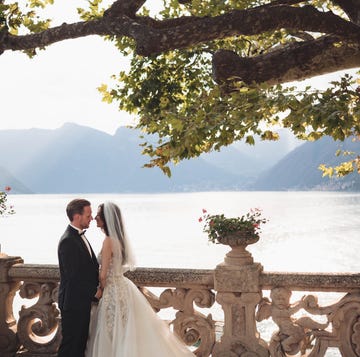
x=306 y=231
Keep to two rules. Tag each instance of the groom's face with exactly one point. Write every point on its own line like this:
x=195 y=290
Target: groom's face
x=85 y=218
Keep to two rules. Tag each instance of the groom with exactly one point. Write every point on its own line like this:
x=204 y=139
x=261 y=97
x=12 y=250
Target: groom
x=79 y=272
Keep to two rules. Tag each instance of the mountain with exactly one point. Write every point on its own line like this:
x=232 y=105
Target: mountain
x=7 y=179
x=250 y=160
x=298 y=170
x=265 y=153
x=77 y=159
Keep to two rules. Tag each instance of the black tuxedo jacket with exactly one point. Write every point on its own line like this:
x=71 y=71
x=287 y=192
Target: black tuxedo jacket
x=79 y=272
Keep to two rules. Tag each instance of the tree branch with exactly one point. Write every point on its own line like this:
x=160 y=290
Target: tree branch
x=284 y=2
x=351 y=9
x=124 y=7
x=154 y=37
x=298 y=61
x=53 y=35
x=245 y=22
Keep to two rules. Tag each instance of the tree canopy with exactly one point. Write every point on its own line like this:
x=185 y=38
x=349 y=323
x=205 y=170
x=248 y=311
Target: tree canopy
x=205 y=73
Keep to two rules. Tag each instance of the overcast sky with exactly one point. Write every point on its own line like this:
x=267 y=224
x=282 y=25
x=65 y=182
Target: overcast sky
x=59 y=84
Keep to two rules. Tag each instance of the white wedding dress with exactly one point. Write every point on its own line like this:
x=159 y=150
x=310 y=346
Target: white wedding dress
x=125 y=325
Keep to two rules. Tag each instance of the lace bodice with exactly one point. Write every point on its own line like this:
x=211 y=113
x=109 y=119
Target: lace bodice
x=115 y=295
x=115 y=268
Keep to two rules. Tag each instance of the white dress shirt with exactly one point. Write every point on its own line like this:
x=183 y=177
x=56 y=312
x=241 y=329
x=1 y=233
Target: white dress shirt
x=83 y=238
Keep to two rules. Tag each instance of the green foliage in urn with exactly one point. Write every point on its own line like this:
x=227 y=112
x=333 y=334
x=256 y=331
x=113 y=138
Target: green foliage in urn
x=4 y=208
x=247 y=225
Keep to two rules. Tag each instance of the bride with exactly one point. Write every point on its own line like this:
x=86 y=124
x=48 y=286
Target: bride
x=124 y=324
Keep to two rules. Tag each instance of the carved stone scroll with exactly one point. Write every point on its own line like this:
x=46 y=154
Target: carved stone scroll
x=9 y=343
x=38 y=325
x=345 y=319
x=190 y=325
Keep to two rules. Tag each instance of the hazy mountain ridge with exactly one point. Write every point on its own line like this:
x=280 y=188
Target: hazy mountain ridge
x=7 y=179
x=251 y=160
x=298 y=170
x=77 y=159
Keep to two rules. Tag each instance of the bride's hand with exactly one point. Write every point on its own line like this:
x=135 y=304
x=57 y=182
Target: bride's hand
x=98 y=294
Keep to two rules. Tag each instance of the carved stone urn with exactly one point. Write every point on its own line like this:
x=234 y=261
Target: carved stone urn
x=238 y=241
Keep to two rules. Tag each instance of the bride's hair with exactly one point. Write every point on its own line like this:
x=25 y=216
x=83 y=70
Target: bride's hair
x=102 y=217
x=114 y=228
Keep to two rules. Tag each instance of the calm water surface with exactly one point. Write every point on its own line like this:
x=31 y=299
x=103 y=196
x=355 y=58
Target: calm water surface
x=306 y=231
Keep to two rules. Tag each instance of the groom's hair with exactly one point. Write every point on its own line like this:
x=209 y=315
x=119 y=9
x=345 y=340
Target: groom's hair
x=76 y=206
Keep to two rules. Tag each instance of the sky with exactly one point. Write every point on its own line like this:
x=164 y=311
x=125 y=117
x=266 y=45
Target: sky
x=59 y=85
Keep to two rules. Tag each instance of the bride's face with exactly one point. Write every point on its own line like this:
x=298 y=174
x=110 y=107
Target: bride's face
x=99 y=221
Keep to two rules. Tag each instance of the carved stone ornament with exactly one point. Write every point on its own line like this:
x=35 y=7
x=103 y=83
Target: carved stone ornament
x=240 y=336
x=237 y=278
x=38 y=334
x=38 y=325
x=240 y=349
x=341 y=328
x=345 y=319
x=9 y=342
x=238 y=241
x=8 y=338
x=239 y=238
x=190 y=325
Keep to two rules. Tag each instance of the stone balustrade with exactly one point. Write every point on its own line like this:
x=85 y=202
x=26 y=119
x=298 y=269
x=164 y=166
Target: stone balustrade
x=237 y=291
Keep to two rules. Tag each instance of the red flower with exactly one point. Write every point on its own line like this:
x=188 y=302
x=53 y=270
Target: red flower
x=200 y=219
x=7 y=188
x=204 y=210
x=211 y=223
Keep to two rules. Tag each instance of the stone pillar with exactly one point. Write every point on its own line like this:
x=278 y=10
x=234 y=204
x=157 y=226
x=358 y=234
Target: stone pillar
x=8 y=337
x=236 y=282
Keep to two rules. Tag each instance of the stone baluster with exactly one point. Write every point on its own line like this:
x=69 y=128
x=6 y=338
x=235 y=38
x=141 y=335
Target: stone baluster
x=236 y=282
x=9 y=343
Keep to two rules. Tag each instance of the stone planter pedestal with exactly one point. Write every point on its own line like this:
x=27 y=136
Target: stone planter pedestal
x=236 y=281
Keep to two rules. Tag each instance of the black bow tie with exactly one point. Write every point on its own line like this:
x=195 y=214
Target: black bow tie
x=82 y=232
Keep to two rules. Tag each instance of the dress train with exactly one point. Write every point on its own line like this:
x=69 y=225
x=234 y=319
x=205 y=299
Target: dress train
x=125 y=325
